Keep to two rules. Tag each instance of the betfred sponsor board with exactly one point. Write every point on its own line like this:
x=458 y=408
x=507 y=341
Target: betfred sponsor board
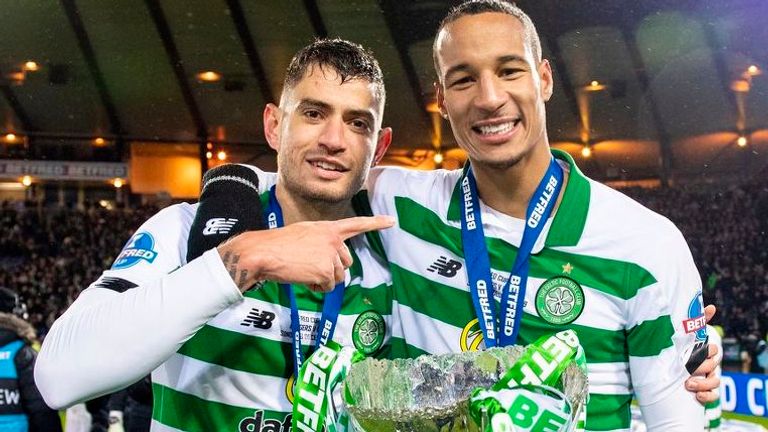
x=62 y=170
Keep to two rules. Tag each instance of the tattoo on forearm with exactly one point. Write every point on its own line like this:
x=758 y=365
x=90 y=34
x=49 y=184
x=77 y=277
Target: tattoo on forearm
x=240 y=276
x=243 y=278
x=230 y=263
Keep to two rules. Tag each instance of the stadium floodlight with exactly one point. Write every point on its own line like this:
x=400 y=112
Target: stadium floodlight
x=208 y=76
x=31 y=66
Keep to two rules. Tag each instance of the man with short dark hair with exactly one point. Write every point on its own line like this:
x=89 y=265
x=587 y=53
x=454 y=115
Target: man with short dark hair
x=223 y=344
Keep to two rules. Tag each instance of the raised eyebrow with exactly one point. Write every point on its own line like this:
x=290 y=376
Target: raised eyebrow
x=314 y=103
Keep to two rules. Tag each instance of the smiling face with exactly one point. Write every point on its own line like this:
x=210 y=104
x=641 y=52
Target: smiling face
x=493 y=89
x=326 y=133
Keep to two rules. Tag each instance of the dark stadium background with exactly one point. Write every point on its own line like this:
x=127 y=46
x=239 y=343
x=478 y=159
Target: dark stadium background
x=669 y=96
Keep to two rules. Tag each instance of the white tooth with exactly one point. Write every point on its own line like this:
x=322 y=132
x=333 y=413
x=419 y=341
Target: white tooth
x=496 y=129
x=327 y=166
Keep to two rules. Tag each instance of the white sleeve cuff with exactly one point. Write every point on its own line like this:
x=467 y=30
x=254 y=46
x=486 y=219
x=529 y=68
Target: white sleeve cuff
x=220 y=276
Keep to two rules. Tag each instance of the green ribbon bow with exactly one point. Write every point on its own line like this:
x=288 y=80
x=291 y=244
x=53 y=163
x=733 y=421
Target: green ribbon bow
x=529 y=397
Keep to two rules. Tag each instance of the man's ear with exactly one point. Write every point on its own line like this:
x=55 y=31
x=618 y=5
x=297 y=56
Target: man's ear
x=440 y=95
x=273 y=116
x=547 y=81
x=385 y=139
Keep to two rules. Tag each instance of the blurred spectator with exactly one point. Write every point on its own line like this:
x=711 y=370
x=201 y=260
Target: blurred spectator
x=754 y=355
x=762 y=356
x=23 y=406
x=130 y=410
x=99 y=410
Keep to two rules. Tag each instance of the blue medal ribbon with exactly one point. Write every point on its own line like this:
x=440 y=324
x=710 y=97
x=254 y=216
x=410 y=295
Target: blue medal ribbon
x=331 y=304
x=479 y=264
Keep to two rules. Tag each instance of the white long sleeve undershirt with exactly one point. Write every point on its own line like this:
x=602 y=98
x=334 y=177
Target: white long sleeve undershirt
x=107 y=340
x=678 y=411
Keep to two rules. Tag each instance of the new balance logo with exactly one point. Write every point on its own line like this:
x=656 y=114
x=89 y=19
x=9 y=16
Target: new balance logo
x=259 y=319
x=218 y=226
x=445 y=267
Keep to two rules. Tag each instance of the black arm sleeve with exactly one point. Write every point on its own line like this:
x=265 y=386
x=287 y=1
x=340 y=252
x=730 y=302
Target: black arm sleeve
x=41 y=417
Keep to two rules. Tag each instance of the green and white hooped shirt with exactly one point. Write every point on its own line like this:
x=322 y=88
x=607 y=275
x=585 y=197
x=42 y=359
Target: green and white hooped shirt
x=619 y=274
x=235 y=372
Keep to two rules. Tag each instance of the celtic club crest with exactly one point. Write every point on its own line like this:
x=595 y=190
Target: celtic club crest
x=560 y=300
x=368 y=332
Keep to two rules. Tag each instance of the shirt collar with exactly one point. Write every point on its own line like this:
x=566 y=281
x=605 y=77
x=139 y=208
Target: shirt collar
x=571 y=214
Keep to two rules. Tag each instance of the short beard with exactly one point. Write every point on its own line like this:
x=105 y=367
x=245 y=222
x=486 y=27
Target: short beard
x=323 y=198
x=311 y=196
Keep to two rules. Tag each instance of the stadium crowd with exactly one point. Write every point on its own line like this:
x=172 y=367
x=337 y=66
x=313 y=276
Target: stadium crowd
x=49 y=254
x=726 y=231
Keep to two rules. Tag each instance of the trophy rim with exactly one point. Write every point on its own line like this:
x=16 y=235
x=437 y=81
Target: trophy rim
x=504 y=356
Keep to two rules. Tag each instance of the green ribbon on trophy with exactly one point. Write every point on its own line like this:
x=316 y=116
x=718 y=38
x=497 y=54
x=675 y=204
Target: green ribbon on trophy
x=319 y=376
x=529 y=397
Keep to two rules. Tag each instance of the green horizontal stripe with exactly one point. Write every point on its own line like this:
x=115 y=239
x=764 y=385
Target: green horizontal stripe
x=617 y=278
x=442 y=302
x=400 y=349
x=649 y=338
x=247 y=353
x=454 y=307
x=356 y=298
x=240 y=352
x=600 y=346
x=608 y=412
x=193 y=414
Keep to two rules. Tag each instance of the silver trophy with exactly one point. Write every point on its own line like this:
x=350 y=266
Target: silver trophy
x=431 y=393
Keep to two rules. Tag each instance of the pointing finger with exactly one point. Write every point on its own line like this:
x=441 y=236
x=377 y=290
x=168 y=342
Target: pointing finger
x=351 y=227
